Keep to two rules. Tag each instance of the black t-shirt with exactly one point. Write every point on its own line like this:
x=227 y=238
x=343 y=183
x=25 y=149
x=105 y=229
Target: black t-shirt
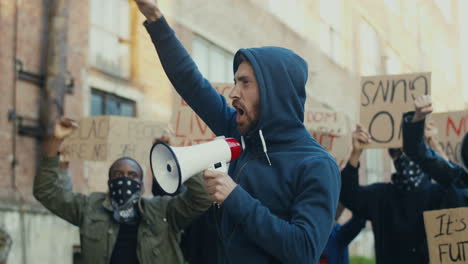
x=125 y=247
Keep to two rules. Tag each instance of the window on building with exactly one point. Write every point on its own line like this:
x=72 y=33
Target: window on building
x=77 y=255
x=445 y=7
x=369 y=50
x=288 y=12
x=370 y=61
x=374 y=165
x=213 y=62
x=393 y=5
x=331 y=37
x=103 y=103
x=392 y=62
x=109 y=40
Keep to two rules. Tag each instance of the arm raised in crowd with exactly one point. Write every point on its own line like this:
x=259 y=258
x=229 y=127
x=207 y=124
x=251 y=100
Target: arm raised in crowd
x=358 y=199
x=184 y=74
x=436 y=166
x=48 y=188
x=350 y=229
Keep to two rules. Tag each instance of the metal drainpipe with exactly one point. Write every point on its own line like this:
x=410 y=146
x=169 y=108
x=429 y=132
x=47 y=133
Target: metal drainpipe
x=14 y=137
x=15 y=78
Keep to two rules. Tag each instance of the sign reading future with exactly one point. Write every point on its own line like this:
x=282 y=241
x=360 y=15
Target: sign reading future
x=447 y=235
x=384 y=99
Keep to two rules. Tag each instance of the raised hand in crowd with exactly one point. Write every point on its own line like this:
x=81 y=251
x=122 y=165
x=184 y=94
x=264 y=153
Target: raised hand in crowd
x=62 y=129
x=423 y=108
x=149 y=9
x=360 y=139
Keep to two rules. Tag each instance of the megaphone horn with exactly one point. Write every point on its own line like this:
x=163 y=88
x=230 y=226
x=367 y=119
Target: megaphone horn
x=172 y=166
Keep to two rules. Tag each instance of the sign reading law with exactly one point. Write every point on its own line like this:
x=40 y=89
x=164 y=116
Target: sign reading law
x=447 y=235
x=107 y=138
x=384 y=99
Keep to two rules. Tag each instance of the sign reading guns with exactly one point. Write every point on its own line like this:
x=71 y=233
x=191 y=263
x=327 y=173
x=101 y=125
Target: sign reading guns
x=384 y=99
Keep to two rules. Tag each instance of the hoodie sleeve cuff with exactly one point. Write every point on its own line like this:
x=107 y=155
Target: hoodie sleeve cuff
x=237 y=203
x=350 y=169
x=50 y=162
x=159 y=29
x=413 y=134
x=408 y=121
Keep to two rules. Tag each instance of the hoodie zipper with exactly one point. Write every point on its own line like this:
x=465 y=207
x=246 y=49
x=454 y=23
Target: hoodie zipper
x=220 y=212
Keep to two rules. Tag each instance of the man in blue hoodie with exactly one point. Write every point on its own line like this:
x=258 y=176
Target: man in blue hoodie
x=278 y=200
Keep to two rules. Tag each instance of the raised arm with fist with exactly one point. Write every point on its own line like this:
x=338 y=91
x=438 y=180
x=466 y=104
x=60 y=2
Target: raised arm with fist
x=360 y=139
x=62 y=129
x=149 y=9
x=423 y=108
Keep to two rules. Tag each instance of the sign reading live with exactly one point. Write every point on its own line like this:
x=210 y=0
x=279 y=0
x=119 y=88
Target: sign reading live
x=107 y=138
x=452 y=126
x=447 y=235
x=384 y=99
x=328 y=127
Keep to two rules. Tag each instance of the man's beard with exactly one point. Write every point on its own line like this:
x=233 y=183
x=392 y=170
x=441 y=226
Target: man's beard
x=250 y=118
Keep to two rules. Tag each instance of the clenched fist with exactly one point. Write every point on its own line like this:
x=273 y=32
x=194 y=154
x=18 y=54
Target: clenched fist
x=423 y=108
x=149 y=9
x=360 y=138
x=64 y=127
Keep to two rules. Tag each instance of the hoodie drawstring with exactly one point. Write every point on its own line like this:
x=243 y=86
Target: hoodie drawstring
x=264 y=146
x=243 y=142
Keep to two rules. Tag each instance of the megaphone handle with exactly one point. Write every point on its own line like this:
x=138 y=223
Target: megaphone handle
x=220 y=166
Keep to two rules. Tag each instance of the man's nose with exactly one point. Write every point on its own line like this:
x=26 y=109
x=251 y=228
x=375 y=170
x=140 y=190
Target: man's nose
x=234 y=93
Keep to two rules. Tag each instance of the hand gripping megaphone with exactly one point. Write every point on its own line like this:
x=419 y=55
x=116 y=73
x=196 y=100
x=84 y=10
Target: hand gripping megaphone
x=172 y=166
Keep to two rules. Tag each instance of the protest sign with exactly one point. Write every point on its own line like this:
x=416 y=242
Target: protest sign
x=447 y=235
x=452 y=126
x=384 y=99
x=107 y=138
x=321 y=118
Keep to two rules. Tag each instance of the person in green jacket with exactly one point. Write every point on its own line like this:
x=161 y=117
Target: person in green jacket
x=119 y=226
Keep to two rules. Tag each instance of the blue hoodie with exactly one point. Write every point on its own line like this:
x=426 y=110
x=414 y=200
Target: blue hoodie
x=278 y=213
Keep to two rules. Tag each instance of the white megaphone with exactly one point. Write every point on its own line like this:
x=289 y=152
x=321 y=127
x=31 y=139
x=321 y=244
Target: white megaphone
x=172 y=166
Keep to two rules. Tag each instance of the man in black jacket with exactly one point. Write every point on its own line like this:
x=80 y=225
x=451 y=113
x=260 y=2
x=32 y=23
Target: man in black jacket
x=394 y=209
x=446 y=173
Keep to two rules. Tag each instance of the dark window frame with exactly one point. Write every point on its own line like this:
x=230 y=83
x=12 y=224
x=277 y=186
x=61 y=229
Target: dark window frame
x=106 y=97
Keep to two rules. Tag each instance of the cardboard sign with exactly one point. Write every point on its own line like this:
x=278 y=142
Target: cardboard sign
x=447 y=235
x=384 y=99
x=107 y=138
x=452 y=126
x=321 y=118
x=338 y=146
x=188 y=127
x=328 y=127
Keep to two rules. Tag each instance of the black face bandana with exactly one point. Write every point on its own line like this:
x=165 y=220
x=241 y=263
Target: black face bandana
x=409 y=175
x=124 y=194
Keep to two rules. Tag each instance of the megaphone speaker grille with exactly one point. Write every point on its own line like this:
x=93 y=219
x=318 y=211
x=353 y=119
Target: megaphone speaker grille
x=165 y=168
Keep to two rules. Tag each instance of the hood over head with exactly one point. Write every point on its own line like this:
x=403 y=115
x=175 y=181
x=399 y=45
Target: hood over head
x=281 y=76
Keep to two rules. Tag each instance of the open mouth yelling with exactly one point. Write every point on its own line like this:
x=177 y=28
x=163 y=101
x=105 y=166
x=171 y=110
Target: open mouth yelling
x=240 y=111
